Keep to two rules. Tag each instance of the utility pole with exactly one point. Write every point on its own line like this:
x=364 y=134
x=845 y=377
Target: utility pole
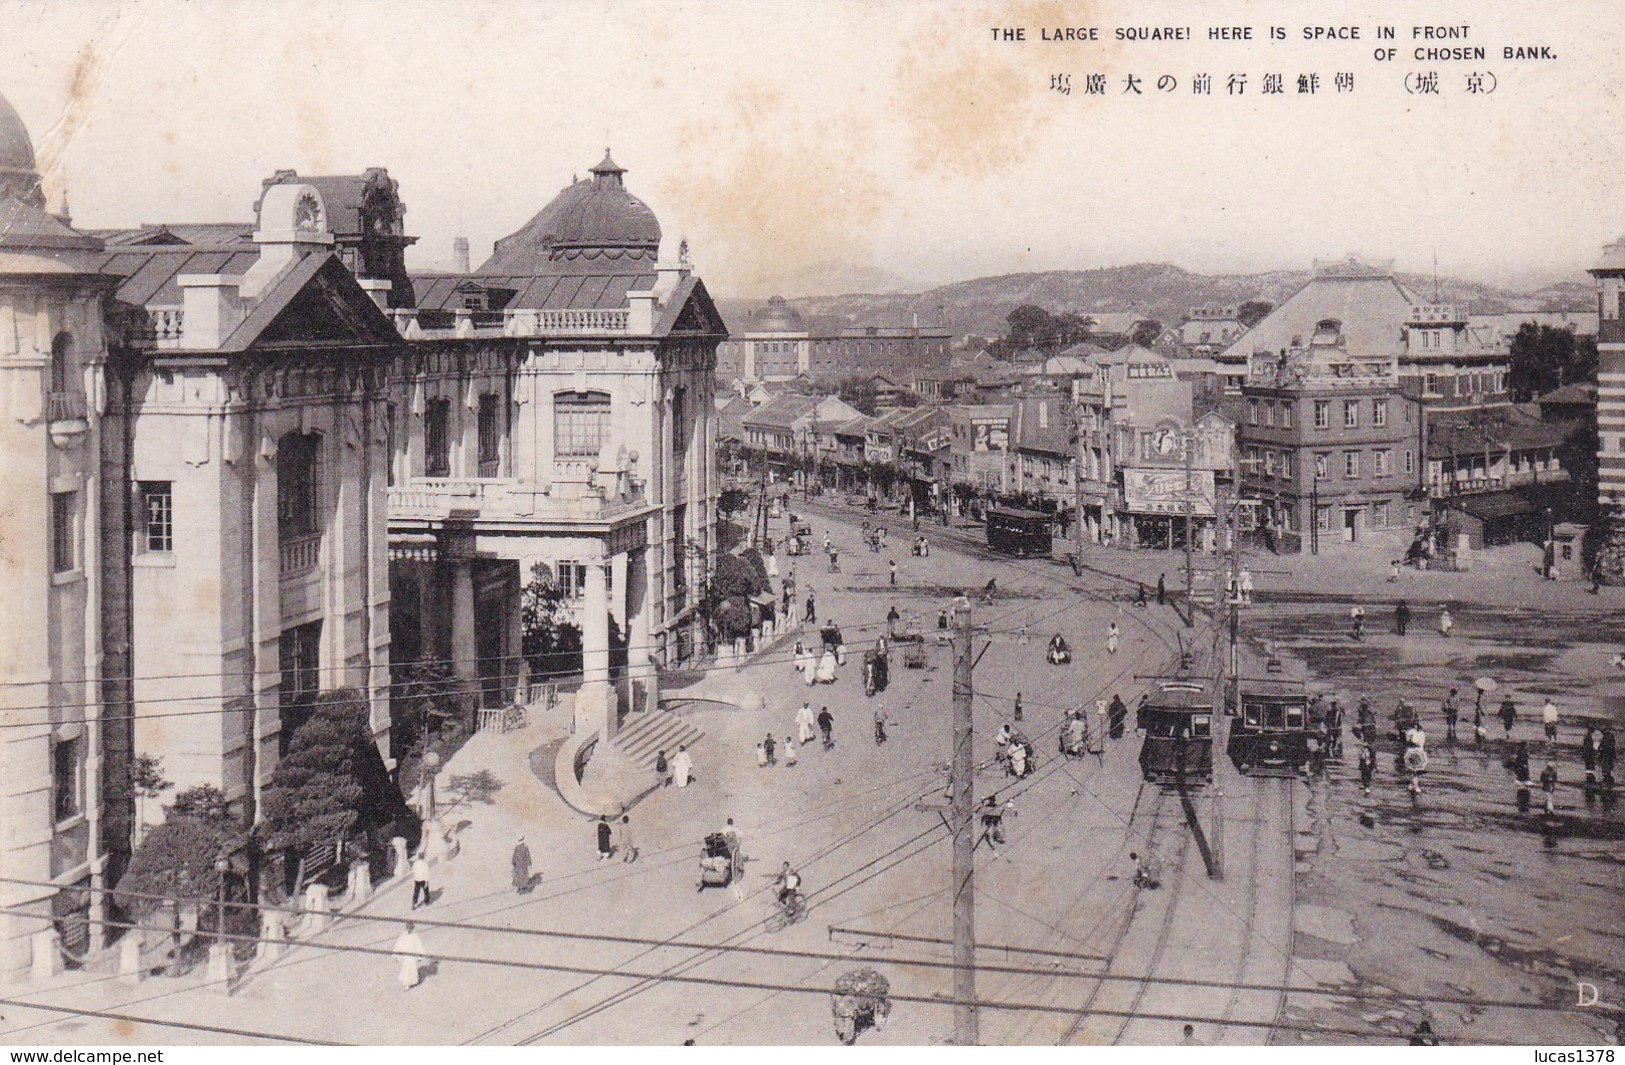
x=1190 y=562
x=961 y=811
x=1314 y=511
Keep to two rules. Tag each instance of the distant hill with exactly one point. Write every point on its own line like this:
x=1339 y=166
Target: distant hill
x=1159 y=290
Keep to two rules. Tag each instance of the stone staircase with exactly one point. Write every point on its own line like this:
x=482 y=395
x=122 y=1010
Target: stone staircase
x=645 y=735
x=623 y=771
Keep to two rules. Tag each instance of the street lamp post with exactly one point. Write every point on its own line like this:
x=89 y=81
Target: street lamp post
x=431 y=766
x=222 y=865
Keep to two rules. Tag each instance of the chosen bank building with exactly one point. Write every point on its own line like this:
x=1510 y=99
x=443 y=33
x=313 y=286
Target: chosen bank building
x=248 y=462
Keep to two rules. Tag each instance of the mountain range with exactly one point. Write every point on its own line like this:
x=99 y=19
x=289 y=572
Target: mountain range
x=1158 y=290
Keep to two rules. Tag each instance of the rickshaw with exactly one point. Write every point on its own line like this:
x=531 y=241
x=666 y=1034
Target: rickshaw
x=861 y=1000
x=718 y=862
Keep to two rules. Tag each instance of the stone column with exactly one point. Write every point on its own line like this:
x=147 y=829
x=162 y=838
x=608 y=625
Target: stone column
x=639 y=652
x=595 y=702
x=513 y=669
x=464 y=649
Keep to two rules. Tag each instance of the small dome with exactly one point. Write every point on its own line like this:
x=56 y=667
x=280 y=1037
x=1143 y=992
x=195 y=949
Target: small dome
x=777 y=317
x=19 y=179
x=591 y=219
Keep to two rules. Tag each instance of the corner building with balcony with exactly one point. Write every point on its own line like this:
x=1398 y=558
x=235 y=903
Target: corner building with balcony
x=246 y=463
x=555 y=416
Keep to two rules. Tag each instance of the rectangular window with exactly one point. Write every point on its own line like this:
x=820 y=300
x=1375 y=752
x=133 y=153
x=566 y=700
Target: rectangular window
x=67 y=778
x=64 y=547
x=1269 y=464
x=1286 y=415
x=299 y=660
x=1379 y=515
x=1323 y=519
x=1461 y=384
x=389 y=444
x=1288 y=464
x=1269 y=415
x=1322 y=462
x=1351 y=414
x=1252 y=412
x=679 y=421
x=1410 y=462
x=437 y=438
x=580 y=424
x=1323 y=413
x=157 y=516
x=1379 y=412
x=1383 y=462
x=490 y=431
x=572 y=578
x=1351 y=464
x=1430 y=383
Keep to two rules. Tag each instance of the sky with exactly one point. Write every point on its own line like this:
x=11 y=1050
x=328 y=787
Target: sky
x=889 y=137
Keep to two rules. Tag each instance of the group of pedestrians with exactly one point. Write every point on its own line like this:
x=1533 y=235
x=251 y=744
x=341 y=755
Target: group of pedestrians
x=1598 y=746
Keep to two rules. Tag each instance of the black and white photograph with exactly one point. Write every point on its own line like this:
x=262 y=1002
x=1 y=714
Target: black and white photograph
x=801 y=524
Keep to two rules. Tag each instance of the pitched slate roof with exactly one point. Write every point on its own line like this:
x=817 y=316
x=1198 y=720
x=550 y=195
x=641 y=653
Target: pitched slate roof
x=1372 y=307
x=1498 y=428
x=149 y=271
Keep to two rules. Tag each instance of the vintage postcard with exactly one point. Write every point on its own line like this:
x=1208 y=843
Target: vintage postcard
x=733 y=524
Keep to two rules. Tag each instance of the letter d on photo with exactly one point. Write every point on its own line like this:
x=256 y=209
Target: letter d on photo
x=1585 y=989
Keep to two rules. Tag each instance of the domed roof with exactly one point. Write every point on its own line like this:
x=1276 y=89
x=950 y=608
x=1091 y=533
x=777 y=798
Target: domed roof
x=18 y=177
x=777 y=317
x=593 y=220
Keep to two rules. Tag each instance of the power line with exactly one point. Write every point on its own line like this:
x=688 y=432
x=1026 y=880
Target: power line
x=193 y=1026
x=752 y=985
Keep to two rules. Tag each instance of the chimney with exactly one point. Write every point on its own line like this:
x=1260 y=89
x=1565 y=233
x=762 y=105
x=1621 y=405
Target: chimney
x=459 y=256
x=212 y=309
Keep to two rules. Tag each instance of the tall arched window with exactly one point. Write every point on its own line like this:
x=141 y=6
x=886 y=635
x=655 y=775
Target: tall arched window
x=61 y=358
x=580 y=424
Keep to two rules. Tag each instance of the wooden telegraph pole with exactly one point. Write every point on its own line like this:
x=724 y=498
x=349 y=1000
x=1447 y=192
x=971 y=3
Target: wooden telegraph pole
x=1190 y=562
x=961 y=812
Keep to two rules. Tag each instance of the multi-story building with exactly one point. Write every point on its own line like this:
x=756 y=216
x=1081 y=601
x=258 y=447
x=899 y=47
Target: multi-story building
x=1206 y=331
x=1610 y=275
x=776 y=342
x=979 y=446
x=1137 y=417
x=1330 y=442
x=1043 y=456
x=1440 y=361
x=62 y=701
x=273 y=464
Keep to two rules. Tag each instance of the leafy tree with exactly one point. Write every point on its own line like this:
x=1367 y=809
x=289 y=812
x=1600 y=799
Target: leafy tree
x=176 y=859
x=1252 y=312
x=551 y=636
x=205 y=801
x=1146 y=333
x=420 y=693
x=732 y=501
x=1030 y=326
x=1603 y=549
x=1544 y=358
x=315 y=797
x=147 y=782
x=736 y=579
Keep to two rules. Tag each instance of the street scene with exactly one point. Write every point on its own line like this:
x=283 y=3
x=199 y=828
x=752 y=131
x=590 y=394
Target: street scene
x=666 y=592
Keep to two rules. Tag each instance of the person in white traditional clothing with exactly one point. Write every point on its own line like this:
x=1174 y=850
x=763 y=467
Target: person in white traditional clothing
x=682 y=767
x=806 y=723
x=1111 y=639
x=409 y=953
x=805 y=659
x=826 y=668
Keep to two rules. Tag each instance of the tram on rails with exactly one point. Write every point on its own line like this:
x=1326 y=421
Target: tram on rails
x=1175 y=716
x=1271 y=734
x=1023 y=533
